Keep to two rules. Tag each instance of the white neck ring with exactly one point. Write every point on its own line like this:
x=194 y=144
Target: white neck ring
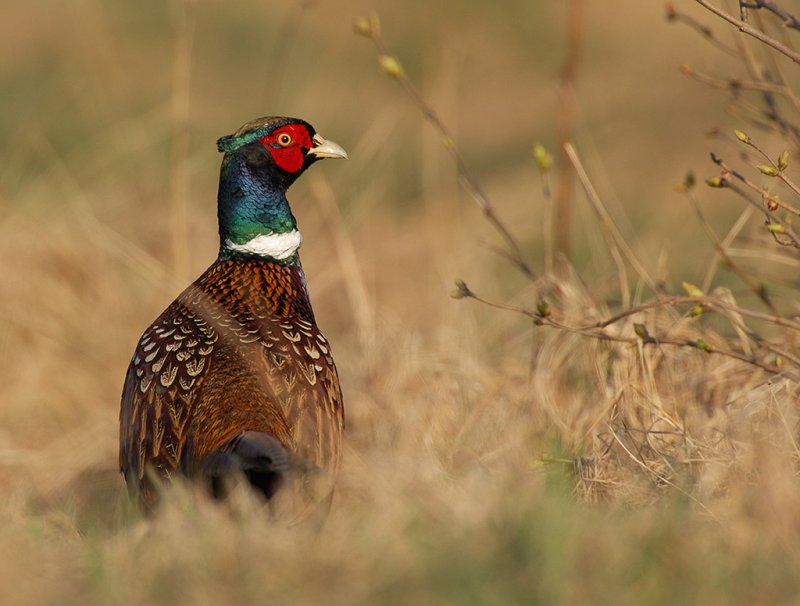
x=277 y=246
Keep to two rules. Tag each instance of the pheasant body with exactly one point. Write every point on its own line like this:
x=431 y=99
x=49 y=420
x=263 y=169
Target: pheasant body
x=234 y=376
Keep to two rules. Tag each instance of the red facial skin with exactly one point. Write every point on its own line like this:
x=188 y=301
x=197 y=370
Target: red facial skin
x=288 y=156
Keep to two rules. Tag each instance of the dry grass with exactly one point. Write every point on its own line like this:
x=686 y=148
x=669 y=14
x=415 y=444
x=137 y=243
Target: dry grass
x=487 y=461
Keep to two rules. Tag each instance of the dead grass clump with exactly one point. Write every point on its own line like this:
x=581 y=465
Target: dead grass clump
x=643 y=419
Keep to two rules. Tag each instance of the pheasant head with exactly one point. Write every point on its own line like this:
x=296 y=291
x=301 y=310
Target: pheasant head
x=262 y=159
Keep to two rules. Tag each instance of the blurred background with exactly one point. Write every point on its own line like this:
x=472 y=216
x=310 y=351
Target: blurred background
x=109 y=114
x=111 y=110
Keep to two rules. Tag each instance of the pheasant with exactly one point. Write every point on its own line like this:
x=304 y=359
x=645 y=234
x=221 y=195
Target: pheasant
x=234 y=378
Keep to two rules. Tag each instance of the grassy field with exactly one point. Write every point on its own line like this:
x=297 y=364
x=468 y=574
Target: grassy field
x=487 y=460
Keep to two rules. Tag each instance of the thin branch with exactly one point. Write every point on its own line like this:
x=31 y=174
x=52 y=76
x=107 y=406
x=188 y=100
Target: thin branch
x=596 y=330
x=788 y=19
x=777 y=229
x=676 y=16
x=737 y=323
x=768 y=204
x=748 y=29
x=660 y=340
x=760 y=73
x=734 y=85
x=780 y=175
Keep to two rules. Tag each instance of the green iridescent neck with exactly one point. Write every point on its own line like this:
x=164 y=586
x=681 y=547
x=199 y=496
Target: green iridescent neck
x=252 y=204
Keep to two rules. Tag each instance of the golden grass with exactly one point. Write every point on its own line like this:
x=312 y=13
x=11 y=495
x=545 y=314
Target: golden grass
x=487 y=461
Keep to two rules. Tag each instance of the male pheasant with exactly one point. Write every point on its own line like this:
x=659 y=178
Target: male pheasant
x=234 y=377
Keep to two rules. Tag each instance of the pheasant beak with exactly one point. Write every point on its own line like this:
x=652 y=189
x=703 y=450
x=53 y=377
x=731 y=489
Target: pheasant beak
x=326 y=149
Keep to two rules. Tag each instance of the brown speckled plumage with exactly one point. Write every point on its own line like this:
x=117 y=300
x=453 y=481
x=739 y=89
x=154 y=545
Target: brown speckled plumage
x=238 y=350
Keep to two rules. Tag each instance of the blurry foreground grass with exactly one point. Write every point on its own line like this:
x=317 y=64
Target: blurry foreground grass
x=487 y=461
x=512 y=544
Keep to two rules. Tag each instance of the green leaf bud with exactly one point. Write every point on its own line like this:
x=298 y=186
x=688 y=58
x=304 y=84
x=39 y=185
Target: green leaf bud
x=783 y=160
x=362 y=27
x=461 y=290
x=543 y=158
x=700 y=344
x=391 y=66
x=543 y=308
x=692 y=290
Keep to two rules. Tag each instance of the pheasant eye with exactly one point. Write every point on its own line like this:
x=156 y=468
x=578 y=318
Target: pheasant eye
x=284 y=139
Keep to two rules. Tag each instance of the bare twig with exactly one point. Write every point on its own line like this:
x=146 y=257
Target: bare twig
x=789 y=20
x=780 y=230
x=748 y=29
x=735 y=321
x=760 y=73
x=735 y=86
x=778 y=227
x=780 y=174
x=597 y=329
x=676 y=16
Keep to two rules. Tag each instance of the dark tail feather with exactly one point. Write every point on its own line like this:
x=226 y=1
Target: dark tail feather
x=263 y=460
